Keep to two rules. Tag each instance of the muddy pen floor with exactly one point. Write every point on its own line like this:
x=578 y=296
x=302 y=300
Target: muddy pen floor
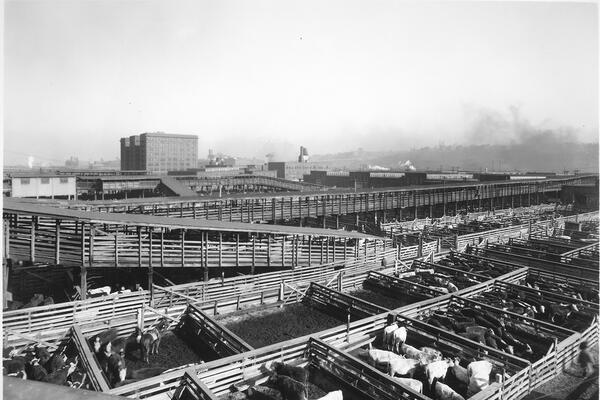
x=382 y=299
x=266 y=326
x=173 y=352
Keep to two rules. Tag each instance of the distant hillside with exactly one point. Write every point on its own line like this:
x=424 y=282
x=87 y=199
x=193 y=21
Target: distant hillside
x=531 y=155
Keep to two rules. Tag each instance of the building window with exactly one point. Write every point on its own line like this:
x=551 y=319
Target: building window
x=64 y=180
x=45 y=180
x=24 y=181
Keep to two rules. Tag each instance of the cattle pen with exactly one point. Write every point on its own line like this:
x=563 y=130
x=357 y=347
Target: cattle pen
x=332 y=273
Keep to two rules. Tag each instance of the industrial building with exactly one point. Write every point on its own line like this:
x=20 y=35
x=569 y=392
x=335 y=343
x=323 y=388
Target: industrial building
x=41 y=185
x=158 y=153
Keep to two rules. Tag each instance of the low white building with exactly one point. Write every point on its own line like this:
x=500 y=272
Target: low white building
x=43 y=186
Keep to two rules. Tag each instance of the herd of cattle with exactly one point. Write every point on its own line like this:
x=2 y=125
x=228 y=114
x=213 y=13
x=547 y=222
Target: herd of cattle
x=428 y=370
x=36 y=363
x=111 y=351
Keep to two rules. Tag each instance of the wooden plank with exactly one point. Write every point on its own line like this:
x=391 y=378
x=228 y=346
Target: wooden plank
x=93 y=369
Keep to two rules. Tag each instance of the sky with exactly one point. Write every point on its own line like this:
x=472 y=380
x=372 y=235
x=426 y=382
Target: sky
x=252 y=77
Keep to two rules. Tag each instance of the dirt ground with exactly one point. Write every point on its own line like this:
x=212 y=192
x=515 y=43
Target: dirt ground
x=173 y=352
x=263 y=327
x=569 y=385
x=381 y=299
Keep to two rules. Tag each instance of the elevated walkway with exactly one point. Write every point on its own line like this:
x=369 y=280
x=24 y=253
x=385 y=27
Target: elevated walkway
x=176 y=187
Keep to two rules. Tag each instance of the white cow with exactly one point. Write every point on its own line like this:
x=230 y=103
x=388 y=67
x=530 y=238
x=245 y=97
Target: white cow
x=445 y=392
x=437 y=369
x=414 y=384
x=398 y=338
x=335 y=395
x=388 y=332
x=479 y=376
x=376 y=356
x=410 y=351
x=403 y=366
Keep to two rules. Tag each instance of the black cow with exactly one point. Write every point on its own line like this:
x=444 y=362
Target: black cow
x=297 y=373
x=60 y=377
x=290 y=388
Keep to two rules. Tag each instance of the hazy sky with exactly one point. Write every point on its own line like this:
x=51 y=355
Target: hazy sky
x=252 y=76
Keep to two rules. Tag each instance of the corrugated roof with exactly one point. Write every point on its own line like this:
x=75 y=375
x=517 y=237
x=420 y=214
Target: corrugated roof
x=29 y=208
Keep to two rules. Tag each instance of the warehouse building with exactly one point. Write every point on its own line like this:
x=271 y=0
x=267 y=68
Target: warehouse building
x=158 y=153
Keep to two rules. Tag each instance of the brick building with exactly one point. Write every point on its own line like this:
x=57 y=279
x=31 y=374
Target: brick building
x=158 y=153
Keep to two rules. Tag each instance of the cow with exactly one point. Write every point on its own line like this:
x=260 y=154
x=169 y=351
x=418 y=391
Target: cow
x=14 y=367
x=398 y=338
x=479 y=376
x=297 y=373
x=414 y=384
x=290 y=388
x=101 y=291
x=460 y=373
x=150 y=340
x=43 y=354
x=100 y=339
x=403 y=366
x=388 y=332
x=56 y=362
x=128 y=344
x=376 y=356
x=35 y=301
x=116 y=370
x=437 y=369
x=445 y=392
x=335 y=395
x=60 y=376
x=35 y=371
x=411 y=352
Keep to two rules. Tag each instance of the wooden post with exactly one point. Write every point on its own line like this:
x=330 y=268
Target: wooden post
x=183 y=247
x=32 y=241
x=57 y=243
x=162 y=247
x=283 y=252
x=252 y=270
x=220 y=249
x=91 y=256
x=420 y=250
x=237 y=250
x=6 y=240
x=83 y=267
x=268 y=250
x=309 y=249
x=139 y=233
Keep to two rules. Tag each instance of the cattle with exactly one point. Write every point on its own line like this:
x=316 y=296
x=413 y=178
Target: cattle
x=290 y=388
x=411 y=352
x=451 y=287
x=414 y=384
x=460 y=373
x=43 y=354
x=102 y=338
x=14 y=367
x=150 y=340
x=403 y=366
x=479 y=376
x=376 y=356
x=60 y=376
x=56 y=362
x=445 y=392
x=297 y=373
x=48 y=301
x=116 y=370
x=398 y=338
x=335 y=395
x=431 y=353
x=388 y=332
x=258 y=392
x=437 y=369
x=35 y=371
x=128 y=344
x=35 y=301
x=101 y=291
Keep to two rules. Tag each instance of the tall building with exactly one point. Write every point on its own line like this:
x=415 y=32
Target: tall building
x=158 y=153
